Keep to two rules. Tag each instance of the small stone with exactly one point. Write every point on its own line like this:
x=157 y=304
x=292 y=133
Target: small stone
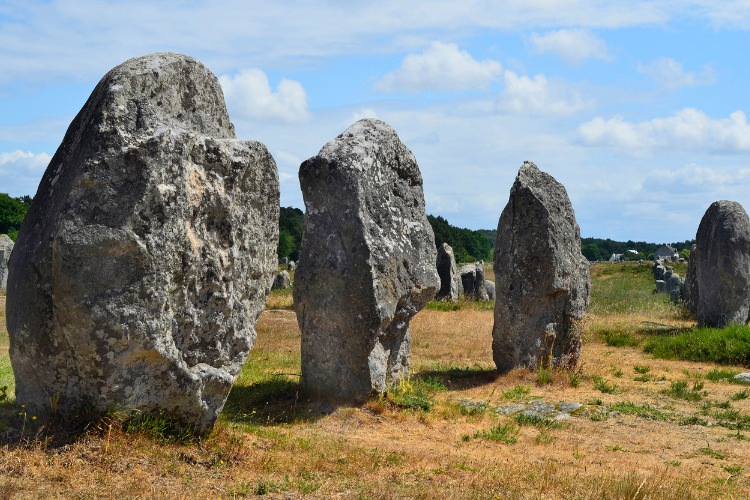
x=743 y=377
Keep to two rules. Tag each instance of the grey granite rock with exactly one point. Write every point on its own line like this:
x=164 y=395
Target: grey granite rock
x=367 y=263
x=541 y=278
x=6 y=247
x=147 y=254
x=490 y=287
x=281 y=281
x=468 y=275
x=722 y=266
x=450 y=282
x=480 y=289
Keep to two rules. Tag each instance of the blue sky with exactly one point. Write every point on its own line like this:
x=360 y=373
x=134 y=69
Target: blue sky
x=640 y=108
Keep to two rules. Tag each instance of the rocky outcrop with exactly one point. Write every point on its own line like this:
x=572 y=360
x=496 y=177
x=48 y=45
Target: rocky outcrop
x=6 y=246
x=147 y=254
x=450 y=282
x=541 y=278
x=719 y=289
x=367 y=263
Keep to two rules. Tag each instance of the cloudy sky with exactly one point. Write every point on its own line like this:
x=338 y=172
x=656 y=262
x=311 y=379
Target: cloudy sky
x=638 y=107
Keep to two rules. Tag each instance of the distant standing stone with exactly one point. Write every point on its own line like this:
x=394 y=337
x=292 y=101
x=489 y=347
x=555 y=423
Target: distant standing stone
x=721 y=263
x=542 y=279
x=468 y=274
x=490 y=287
x=368 y=263
x=291 y=266
x=450 y=282
x=6 y=246
x=281 y=281
x=147 y=253
x=480 y=291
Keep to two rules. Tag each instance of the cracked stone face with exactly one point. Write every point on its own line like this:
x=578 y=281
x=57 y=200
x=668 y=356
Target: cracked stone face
x=367 y=263
x=147 y=254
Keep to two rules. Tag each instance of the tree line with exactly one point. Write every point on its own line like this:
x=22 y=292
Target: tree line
x=12 y=213
x=602 y=249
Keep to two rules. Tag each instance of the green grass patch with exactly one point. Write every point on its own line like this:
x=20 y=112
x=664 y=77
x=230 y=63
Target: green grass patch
x=517 y=393
x=537 y=421
x=604 y=386
x=730 y=345
x=679 y=390
x=544 y=376
x=503 y=433
x=615 y=339
x=643 y=411
x=739 y=396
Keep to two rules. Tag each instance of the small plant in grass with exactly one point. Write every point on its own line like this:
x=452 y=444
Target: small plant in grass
x=518 y=392
x=544 y=376
x=544 y=438
x=159 y=427
x=692 y=420
x=734 y=470
x=616 y=447
x=615 y=339
x=710 y=452
x=603 y=386
x=433 y=384
x=410 y=396
x=616 y=372
x=738 y=396
x=739 y=436
x=641 y=369
x=679 y=389
x=574 y=378
x=537 y=421
x=642 y=378
x=643 y=411
x=718 y=374
x=504 y=433
x=673 y=463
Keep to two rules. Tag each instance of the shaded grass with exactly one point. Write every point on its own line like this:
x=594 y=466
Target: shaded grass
x=730 y=345
x=640 y=410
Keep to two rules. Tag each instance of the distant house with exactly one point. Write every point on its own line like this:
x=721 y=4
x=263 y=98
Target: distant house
x=666 y=252
x=615 y=257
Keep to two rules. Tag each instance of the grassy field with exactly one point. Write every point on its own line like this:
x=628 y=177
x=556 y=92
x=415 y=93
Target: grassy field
x=672 y=429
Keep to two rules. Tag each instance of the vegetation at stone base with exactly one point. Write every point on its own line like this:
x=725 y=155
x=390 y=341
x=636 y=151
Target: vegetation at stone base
x=730 y=345
x=290 y=232
x=602 y=249
x=12 y=213
x=467 y=245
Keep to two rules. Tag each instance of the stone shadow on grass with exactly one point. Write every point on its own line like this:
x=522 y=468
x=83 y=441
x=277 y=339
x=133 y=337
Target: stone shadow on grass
x=454 y=378
x=277 y=400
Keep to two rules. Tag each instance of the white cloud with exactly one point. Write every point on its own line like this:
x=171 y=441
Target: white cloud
x=669 y=74
x=20 y=171
x=540 y=95
x=441 y=67
x=689 y=129
x=249 y=96
x=573 y=46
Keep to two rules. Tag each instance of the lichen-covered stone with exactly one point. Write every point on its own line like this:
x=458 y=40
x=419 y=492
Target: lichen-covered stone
x=366 y=265
x=541 y=278
x=281 y=281
x=718 y=276
x=450 y=282
x=147 y=253
x=6 y=247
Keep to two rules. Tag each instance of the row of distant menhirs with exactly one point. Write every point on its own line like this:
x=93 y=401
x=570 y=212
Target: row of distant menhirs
x=150 y=247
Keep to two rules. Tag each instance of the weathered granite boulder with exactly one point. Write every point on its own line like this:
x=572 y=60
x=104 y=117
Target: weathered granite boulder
x=147 y=254
x=367 y=263
x=490 y=287
x=722 y=266
x=659 y=272
x=668 y=271
x=291 y=266
x=674 y=287
x=480 y=290
x=542 y=279
x=6 y=246
x=450 y=282
x=690 y=288
x=468 y=275
x=661 y=286
x=281 y=281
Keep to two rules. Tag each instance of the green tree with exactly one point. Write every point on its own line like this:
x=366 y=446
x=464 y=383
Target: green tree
x=12 y=213
x=290 y=232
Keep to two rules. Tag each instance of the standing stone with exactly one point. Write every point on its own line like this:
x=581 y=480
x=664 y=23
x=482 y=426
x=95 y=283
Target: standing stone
x=368 y=263
x=6 y=246
x=659 y=272
x=690 y=288
x=490 y=287
x=661 y=286
x=542 y=279
x=281 y=281
x=480 y=290
x=450 y=282
x=722 y=266
x=291 y=266
x=674 y=287
x=147 y=254
x=468 y=275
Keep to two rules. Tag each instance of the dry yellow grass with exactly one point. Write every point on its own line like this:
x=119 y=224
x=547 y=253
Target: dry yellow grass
x=272 y=441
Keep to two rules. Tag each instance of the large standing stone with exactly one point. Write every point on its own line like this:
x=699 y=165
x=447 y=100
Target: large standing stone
x=721 y=264
x=6 y=246
x=480 y=289
x=450 y=282
x=367 y=262
x=147 y=253
x=468 y=275
x=542 y=280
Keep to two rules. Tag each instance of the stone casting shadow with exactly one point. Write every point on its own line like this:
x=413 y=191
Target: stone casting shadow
x=460 y=378
x=271 y=402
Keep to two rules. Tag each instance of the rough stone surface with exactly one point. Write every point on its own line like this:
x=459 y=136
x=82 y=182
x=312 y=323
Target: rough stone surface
x=468 y=275
x=148 y=251
x=292 y=265
x=480 y=290
x=281 y=281
x=659 y=272
x=6 y=246
x=541 y=278
x=490 y=287
x=722 y=266
x=661 y=286
x=674 y=286
x=743 y=378
x=690 y=289
x=451 y=287
x=367 y=263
